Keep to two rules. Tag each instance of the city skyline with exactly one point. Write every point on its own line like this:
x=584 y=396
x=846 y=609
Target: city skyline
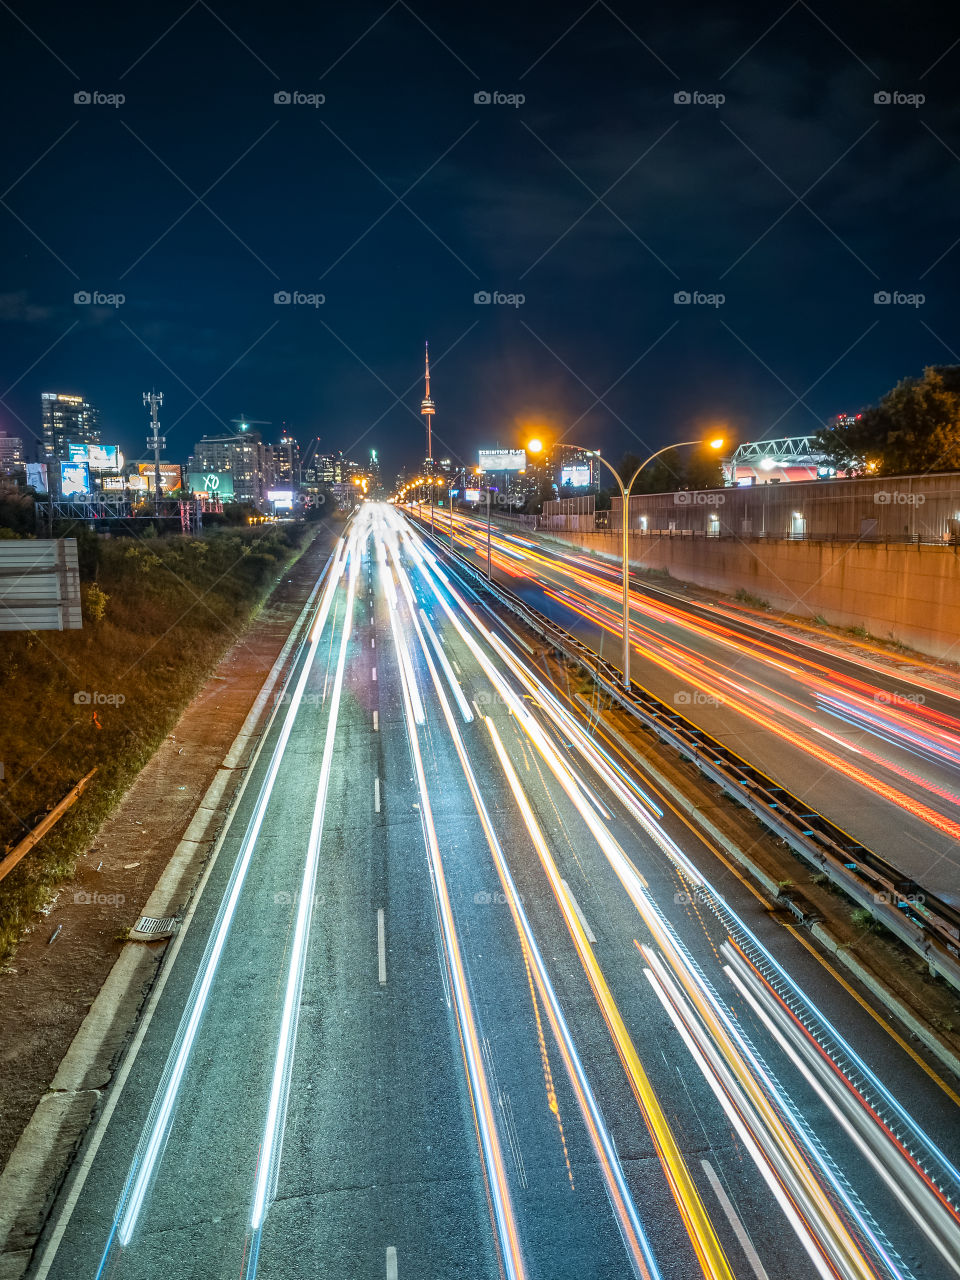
x=819 y=183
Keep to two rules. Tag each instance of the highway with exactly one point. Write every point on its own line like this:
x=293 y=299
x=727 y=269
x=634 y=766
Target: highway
x=460 y=996
x=872 y=744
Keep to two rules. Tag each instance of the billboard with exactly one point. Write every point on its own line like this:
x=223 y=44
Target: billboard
x=74 y=479
x=113 y=483
x=104 y=457
x=170 y=476
x=503 y=460
x=37 y=476
x=99 y=457
x=215 y=484
x=281 y=498
x=578 y=476
x=472 y=495
x=138 y=483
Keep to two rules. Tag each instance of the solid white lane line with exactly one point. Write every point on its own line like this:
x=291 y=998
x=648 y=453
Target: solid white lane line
x=269 y=1159
x=391 y=1262
x=579 y=914
x=63 y=1220
x=161 y=1113
x=381 y=947
x=376 y=795
x=739 y=1230
x=376 y=721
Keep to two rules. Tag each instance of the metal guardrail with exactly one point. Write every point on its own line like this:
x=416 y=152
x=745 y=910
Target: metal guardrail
x=922 y=921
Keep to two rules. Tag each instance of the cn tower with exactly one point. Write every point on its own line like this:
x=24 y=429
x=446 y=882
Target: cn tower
x=427 y=407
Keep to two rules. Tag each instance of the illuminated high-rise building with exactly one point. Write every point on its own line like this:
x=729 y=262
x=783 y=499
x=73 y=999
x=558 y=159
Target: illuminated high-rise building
x=67 y=419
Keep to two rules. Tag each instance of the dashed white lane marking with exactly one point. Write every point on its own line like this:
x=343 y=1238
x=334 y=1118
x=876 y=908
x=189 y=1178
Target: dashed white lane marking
x=739 y=1230
x=391 y=1262
x=374 y=673
x=373 y=642
x=376 y=795
x=381 y=947
x=580 y=916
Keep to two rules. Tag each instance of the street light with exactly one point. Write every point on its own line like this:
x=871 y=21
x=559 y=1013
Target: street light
x=535 y=446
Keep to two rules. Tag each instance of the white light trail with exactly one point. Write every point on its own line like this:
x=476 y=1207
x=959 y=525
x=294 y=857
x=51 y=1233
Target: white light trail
x=154 y=1137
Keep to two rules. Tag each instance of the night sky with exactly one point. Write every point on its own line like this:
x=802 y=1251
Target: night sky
x=600 y=197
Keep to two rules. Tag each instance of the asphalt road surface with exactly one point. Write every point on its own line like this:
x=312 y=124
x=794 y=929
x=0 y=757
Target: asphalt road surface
x=461 y=998
x=873 y=748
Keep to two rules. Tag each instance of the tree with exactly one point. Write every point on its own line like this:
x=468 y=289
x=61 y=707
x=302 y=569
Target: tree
x=914 y=428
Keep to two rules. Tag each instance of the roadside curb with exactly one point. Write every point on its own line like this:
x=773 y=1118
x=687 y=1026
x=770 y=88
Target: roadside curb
x=32 y=1176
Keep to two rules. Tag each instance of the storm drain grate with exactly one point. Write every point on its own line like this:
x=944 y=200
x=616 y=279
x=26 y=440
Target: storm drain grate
x=150 y=927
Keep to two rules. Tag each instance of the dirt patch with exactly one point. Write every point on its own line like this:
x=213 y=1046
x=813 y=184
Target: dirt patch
x=61 y=964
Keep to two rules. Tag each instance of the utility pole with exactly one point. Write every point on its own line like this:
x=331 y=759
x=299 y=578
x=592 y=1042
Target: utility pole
x=489 y=574
x=156 y=442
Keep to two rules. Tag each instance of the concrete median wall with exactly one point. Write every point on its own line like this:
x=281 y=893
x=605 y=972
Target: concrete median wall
x=908 y=592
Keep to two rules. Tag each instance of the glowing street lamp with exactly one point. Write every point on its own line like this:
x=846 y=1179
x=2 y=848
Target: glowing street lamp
x=535 y=446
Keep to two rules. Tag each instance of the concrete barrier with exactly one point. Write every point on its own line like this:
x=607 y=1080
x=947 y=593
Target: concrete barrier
x=901 y=591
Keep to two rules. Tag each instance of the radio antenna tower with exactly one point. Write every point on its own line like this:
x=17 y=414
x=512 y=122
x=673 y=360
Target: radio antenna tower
x=155 y=441
x=427 y=407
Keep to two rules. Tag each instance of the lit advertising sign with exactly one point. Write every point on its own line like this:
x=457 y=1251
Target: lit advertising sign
x=472 y=495
x=99 y=457
x=113 y=482
x=37 y=476
x=215 y=484
x=170 y=478
x=104 y=457
x=74 y=479
x=578 y=476
x=281 y=497
x=502 y=460
x=139 y=483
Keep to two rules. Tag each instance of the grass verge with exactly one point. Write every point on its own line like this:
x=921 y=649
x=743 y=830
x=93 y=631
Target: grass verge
x=158 y=615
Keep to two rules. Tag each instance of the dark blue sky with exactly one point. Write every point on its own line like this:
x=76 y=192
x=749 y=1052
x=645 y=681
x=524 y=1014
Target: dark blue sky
x=399 y=198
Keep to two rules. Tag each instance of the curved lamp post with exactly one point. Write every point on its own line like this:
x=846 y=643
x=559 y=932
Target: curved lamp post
x=535 y=446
